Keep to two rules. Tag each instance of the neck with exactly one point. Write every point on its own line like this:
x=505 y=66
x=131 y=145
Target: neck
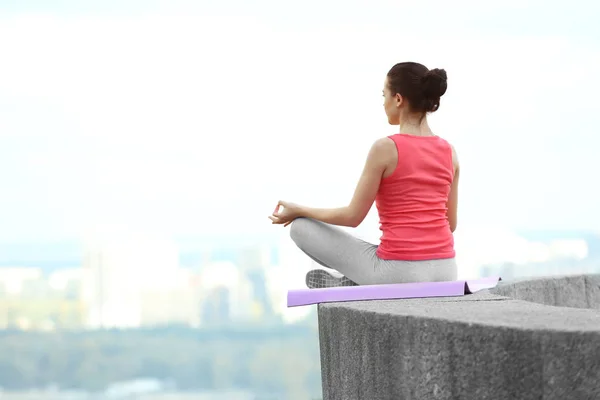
x=416 y=127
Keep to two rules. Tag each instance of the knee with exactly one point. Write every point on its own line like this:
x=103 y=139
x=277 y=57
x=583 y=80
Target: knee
x=300 y=230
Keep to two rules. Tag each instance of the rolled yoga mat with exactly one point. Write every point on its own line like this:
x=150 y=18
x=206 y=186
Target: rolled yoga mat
x=303 y=297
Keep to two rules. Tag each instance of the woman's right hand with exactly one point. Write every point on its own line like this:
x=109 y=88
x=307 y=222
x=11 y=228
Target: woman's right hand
x=286 y=216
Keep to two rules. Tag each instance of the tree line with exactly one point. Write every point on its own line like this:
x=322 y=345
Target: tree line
x=281 y=359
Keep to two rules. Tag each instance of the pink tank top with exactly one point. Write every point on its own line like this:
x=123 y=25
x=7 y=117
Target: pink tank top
x=412 y=201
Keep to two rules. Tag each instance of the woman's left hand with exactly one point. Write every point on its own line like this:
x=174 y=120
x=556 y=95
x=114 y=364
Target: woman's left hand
x=289 y=213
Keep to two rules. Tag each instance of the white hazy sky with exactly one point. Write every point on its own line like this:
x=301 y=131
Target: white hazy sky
x=195 y=117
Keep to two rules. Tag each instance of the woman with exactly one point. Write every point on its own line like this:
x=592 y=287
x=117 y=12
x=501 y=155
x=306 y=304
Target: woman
x=412 y=177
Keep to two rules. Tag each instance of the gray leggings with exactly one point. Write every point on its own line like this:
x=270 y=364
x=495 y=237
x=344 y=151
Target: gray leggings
x=333 y=248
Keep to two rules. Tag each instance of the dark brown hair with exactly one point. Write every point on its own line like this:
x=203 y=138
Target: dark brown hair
x=417 y=84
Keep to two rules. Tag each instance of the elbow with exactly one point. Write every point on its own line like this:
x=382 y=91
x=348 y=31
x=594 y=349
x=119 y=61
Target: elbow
x=452 y=220
x=353 y=219
x=452 y=226
x=354 y=224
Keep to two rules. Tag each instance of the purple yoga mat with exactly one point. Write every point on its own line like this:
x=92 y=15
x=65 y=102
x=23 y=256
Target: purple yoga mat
x=303 y=297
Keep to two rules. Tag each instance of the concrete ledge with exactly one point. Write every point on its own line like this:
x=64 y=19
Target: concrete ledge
x=509 y=343
x=580 y=291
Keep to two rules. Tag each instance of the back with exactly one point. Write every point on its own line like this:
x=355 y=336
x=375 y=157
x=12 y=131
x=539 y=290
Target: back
x=412 y=201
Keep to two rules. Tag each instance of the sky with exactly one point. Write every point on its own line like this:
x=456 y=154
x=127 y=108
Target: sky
x=195 y=117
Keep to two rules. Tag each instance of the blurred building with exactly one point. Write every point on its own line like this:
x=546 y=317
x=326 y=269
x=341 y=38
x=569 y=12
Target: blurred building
x=31 y=301
x=67 y=282
x=544 y=258
x=15 y=280
x=119 y=267
x=177 y=303
x=254 y=261
x=289 y=274
x=227 y=294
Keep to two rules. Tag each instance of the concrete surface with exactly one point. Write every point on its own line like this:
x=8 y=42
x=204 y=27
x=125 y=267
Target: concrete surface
x=529 y=339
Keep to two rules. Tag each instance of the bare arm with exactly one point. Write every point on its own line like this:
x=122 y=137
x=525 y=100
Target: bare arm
x=452 y=203
x=364 y=194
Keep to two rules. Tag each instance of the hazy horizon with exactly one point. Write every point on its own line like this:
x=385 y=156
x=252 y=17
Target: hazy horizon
x=194 y=118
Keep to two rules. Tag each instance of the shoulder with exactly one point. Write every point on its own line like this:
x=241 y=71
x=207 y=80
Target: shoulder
x=384 y=145
x=382 y=153
x=383 y=148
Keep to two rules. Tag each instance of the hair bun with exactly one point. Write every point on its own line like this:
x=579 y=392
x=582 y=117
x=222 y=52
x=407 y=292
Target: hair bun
x=435 y=83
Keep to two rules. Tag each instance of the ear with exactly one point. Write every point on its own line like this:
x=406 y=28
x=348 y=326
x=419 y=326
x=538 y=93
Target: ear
x=399 y=100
